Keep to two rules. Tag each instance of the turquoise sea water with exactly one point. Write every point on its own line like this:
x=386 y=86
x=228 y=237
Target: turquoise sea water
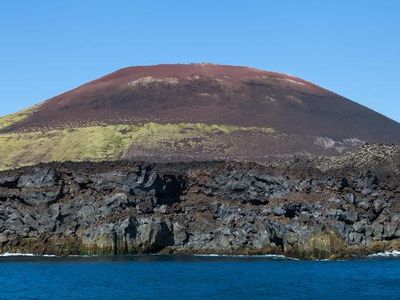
x=172 y=277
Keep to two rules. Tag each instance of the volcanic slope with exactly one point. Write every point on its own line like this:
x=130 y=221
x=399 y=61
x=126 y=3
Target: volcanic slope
x=190 y=112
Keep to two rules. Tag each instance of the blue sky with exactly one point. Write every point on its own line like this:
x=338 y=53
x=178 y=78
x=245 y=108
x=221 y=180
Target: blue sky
x=349 y=47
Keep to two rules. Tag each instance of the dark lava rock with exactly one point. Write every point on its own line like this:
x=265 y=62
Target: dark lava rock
x=310 y=209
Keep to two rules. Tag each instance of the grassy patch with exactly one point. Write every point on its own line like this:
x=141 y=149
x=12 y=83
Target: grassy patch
x=9 y=120
x=109 y=142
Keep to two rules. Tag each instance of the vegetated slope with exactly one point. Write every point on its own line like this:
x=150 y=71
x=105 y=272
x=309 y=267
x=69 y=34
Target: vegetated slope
x=191 y=112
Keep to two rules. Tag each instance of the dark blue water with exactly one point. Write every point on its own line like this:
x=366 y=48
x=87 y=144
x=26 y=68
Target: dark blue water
x=158 y=277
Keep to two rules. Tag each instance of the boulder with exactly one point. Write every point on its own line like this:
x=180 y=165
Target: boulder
x=41 y=177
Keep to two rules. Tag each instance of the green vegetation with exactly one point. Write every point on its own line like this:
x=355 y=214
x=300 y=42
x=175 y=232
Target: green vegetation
x=110 y=142
x=9 y=120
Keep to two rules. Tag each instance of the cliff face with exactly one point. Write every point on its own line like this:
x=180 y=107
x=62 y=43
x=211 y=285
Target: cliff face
x=298 y=208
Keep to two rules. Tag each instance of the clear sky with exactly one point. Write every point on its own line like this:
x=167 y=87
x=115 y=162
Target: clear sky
x=351 y=47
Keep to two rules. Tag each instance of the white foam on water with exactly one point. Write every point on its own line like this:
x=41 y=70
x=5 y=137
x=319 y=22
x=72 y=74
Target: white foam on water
x=7 y=254
x=394 y=253
x=273 y=256
x=83 y=255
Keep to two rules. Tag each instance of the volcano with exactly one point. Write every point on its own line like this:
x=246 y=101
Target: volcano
x=190 y=112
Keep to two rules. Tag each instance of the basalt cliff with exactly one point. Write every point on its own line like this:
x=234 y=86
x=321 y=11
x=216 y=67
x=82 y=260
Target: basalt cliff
x=321 y=207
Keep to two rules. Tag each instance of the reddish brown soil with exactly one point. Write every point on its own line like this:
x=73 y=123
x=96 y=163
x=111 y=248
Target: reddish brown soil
x=213 y=94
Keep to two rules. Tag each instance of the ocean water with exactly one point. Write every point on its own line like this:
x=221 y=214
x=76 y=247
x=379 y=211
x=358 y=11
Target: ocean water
x=197 y=277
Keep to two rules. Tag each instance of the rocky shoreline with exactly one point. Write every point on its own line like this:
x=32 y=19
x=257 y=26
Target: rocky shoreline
x=306 y=208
